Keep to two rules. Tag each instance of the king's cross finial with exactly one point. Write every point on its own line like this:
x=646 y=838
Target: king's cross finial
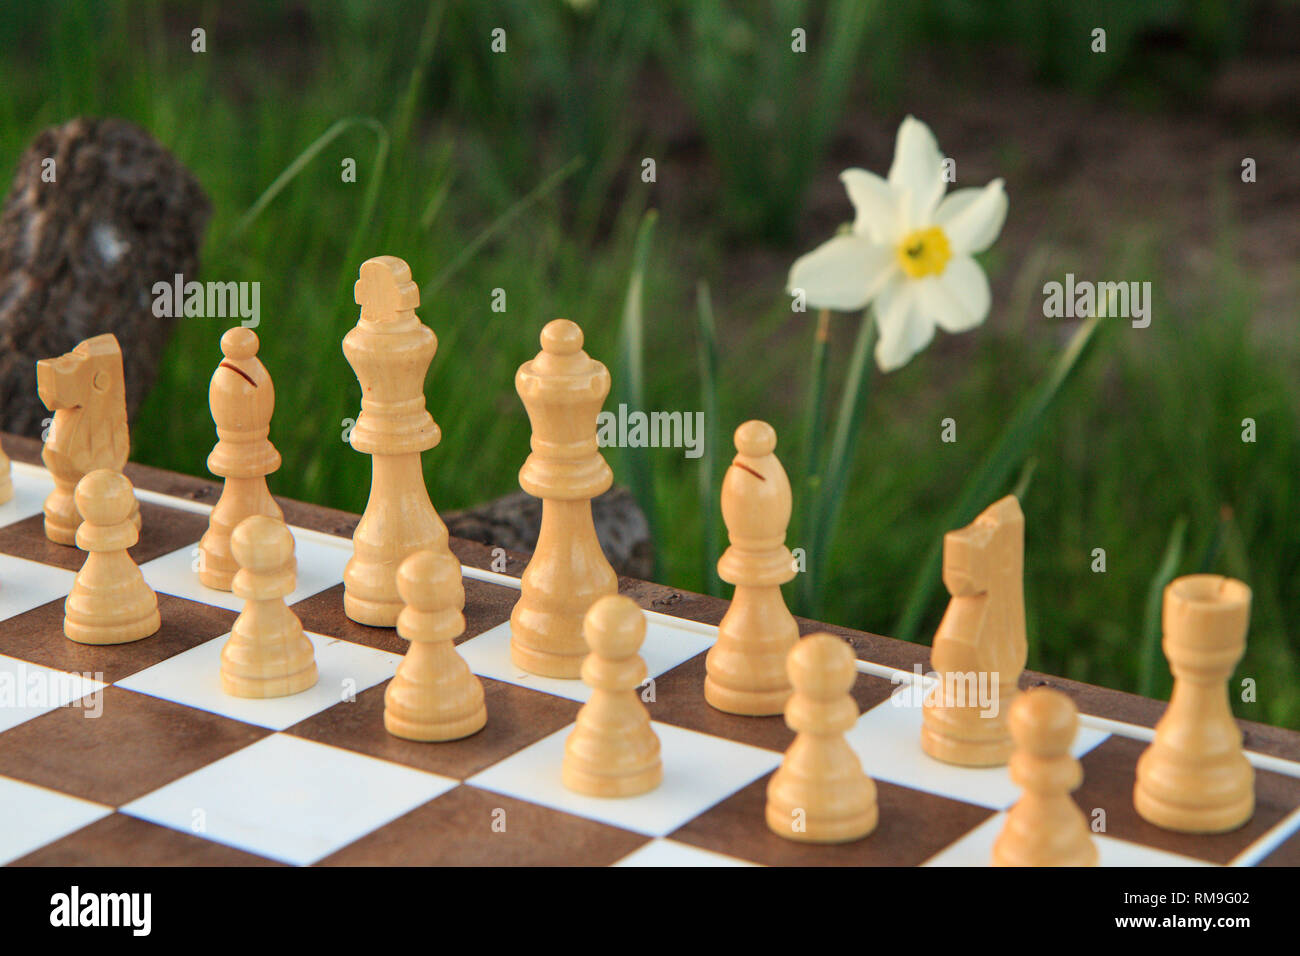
x=385 y=288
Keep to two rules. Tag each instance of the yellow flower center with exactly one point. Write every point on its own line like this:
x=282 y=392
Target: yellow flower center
x=924 y=252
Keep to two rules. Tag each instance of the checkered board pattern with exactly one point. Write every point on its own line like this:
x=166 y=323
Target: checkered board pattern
x=133 y=755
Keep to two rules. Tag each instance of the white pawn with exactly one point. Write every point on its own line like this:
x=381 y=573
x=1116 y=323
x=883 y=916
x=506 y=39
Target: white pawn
x=433 y=695
x=268 y=655
x=820 y=793
x=109 y=603
x=1045 y=827
x=612 y=750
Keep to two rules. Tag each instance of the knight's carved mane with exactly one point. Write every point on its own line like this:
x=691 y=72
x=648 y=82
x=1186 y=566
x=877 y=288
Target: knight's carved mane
x=89 y=425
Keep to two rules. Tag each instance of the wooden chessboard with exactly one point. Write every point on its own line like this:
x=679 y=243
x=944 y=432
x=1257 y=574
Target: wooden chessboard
x=132 y=755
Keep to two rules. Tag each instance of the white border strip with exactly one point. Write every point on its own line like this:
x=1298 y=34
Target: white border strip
x=895 y=675
x=1136 y=732
x=491 y=577
x=1269 y=842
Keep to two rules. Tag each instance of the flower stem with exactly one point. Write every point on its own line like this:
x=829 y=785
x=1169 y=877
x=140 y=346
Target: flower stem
x=839 y=463
x=814 y=426
x=707 y=353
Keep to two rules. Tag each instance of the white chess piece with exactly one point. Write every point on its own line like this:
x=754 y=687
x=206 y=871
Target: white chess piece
x=267 y=655
x=390 y=350
x=612 y=750
x=109 y=603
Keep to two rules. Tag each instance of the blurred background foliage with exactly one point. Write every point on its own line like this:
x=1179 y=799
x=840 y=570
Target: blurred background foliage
x=522 y=171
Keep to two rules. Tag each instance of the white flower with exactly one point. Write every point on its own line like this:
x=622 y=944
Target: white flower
x=909 y=250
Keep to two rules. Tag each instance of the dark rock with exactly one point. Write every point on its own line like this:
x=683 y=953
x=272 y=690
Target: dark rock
x=514 y=521
x=80 y=255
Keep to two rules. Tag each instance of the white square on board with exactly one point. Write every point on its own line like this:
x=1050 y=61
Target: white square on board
x=976 y=849
x=27 y=584
x=31 y=487
x=321 y=560
x=887 y=739
x=660 y=852
x=34 y=816
x=28 y=690
x=193 y=678
x=699 y=771
x=488 y=655
x=289 y=799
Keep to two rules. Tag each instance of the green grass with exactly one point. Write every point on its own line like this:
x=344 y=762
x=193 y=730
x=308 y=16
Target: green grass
x=486 y=172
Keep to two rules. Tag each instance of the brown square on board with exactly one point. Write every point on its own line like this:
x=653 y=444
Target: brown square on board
x=162 y=531
x=120 y=840
x=914 y=826
x=517 y=717
x=1288 y=854
x=679 y=700
x=457 y=829
x=136 y=744
x=1109 y=771
x=37 y=636
x=486 y=606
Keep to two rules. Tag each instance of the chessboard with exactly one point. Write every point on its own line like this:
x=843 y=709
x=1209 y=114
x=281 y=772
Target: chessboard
x=133 y=755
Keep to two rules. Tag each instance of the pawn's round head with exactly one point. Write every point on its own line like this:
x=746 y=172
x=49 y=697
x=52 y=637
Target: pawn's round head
x=614 y=627
x=239 y=343
x=821 y=665
x=104 y=497
x=754 y=439
x=262 y=544
x=561 y=337
x=430 y=581
x=1043 y=722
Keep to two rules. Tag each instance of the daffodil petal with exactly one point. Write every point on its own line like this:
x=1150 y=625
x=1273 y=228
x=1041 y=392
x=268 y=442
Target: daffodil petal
x=917 y=173
x=844 y=273
x=972 y=218
x=958 y=299
x=904 y=328
x=874 y=203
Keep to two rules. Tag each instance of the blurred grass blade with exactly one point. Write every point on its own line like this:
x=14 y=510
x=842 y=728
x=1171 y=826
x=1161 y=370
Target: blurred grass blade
x=1026 y=478
x=839 y=464
x=313 y=150
x=467 y=251
x=1011 y=448
x=845 y=28
x=707 y=346
x=632 y=371
x=1151 y=657
x=443 y=177
x=423 y=57
x=1210 y=556
x=813 y=428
